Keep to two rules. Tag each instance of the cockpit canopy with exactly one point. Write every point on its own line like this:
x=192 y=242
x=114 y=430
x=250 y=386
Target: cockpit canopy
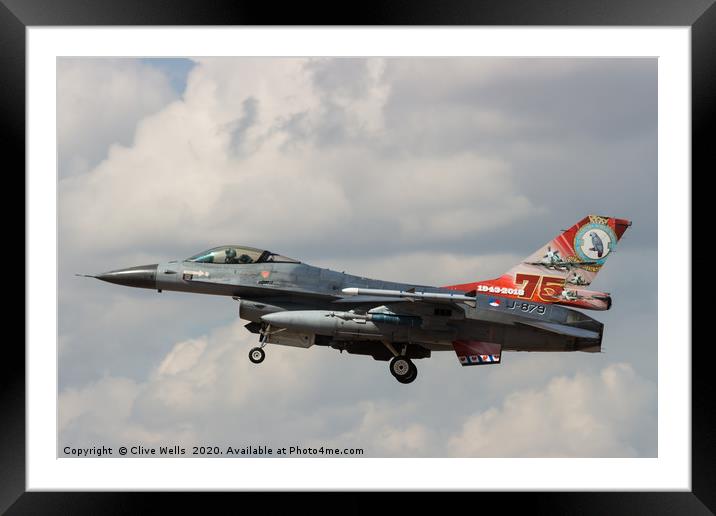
x=239 y=254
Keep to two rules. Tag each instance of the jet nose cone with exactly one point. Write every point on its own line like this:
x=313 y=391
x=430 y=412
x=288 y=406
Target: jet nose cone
x=142 y=276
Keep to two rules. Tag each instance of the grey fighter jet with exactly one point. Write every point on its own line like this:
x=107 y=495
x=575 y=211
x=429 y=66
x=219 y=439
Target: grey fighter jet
x=291 y=303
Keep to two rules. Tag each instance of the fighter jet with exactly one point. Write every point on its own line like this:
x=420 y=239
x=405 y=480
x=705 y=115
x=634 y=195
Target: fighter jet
x=551 y=257
x=552 y=260
x=577 y=279
x=574 y=295
x=291 y=303
x=571 y=295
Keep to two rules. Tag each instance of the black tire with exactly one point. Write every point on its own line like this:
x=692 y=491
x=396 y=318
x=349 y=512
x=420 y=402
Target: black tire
x=401 y=367
x=257 y=355
x=412 y=375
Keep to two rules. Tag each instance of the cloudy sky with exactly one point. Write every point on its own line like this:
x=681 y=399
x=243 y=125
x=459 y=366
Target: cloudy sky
x=436 y=171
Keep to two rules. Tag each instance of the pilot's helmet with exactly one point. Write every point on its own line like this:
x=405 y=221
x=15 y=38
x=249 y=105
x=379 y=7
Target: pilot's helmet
x=230 y=254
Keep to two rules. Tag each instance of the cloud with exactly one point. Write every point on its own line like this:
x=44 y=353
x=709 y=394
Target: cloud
x=182 y=357
x=99 y=103
x=381 y=432
x=222 y=162
x=197 y=377
x=206 y=391
x=497 y=105
x=291 y=153
x=98 y=414
x=427 y=268
x=604 y=415
x=432 y=171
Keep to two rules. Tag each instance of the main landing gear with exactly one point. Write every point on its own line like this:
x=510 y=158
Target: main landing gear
x=401 y=367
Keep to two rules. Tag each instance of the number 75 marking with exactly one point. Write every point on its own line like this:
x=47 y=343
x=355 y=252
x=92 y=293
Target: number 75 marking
x=548 y=287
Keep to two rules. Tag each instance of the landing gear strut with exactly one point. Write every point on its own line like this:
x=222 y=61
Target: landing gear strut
x=403 y=369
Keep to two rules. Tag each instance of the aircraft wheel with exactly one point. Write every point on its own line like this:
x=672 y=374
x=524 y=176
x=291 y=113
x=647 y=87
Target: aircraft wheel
x=403 y=369
x=412 y=375
x=257 y=355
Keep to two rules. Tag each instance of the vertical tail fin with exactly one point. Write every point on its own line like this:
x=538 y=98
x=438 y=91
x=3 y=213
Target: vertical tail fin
x=557 y=271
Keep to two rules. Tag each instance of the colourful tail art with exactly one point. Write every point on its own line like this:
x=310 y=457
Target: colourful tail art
x=556 y=272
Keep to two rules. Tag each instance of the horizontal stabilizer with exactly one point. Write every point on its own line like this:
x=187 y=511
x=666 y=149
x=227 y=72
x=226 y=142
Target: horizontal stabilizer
x=475 y=352
x=563 y=329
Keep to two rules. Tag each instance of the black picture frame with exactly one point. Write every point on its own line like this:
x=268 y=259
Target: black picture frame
x=17 y=15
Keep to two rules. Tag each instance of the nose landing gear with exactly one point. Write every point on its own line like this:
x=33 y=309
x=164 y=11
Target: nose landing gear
x=257 y=355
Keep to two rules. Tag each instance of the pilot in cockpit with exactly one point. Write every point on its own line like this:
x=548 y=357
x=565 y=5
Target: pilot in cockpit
x=231 y=257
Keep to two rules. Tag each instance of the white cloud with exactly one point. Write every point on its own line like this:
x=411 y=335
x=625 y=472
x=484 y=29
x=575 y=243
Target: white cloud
x=99 y=103
x=206 y=390
x=196 y=376
x=603 y=415
x=383 y=431
x=386 y=168
x=108 y=398
x=223 y=164
x=427 y=268
x=99 y=414
x=182 y=357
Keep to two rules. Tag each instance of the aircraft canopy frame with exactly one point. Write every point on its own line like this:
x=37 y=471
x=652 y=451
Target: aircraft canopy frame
x=238 y=254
